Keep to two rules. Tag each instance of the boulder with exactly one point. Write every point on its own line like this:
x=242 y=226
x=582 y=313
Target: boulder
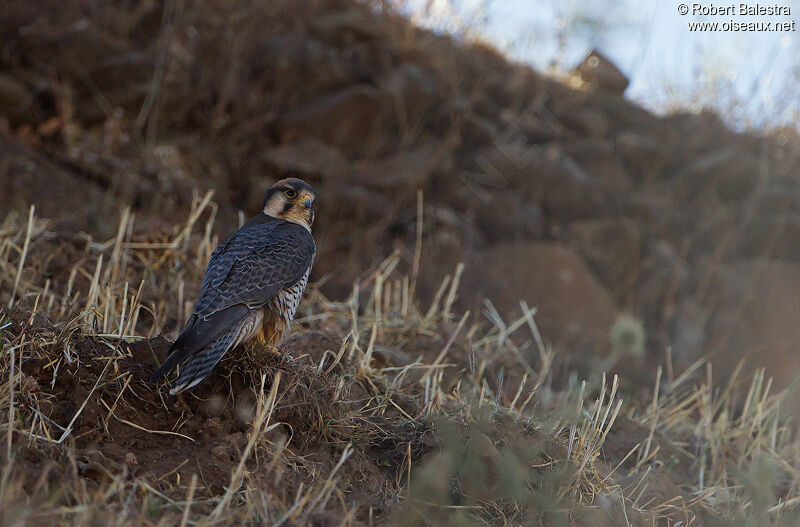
x=773 y=236
x=778 y=195
x=753 y=312
x=28 y=177
x=307 y=158
x=587 y=121
x=571 y=193
x=405 y=171
x=641 y=154
x=664 y=275
x=612 y=247
x=598 y=158
x=544 y=176
x=519 y=219
x=413 y=93
x=346 y=25
x=349 y=119
x=538 y=126
x=477 y=130
x=601 y=74
x=574 y=310
x=14 y=96
x=509 y=161
x=20 y=101
x=729 y=173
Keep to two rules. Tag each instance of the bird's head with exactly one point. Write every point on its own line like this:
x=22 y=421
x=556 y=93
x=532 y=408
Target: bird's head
x=291 y=199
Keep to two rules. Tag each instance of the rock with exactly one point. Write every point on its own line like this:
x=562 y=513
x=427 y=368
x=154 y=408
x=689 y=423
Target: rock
x=406 y=171
x=590 y=122
x=413 y=93
x=642 y=154
x=612 y=247
x=729 y=173
x=508 y=162
x=478 y=130
x=570 y=193
x=538 y=126
x=347 y=25
x=773 y=236
x=778 y=196
x=14 y=96
x=753 y=312
x=356 y=203
x=307 y=158
x=582 y=118
x=520 y=220
x=443 y=252
x=23 y=99
x=223 y=452
x=708 y=225
x=350 y=119
x=665 y=278
x=598 y=158
x=602 y=74
x=700 y=132
x=482 y=104
x=688 y=338
x=288 y=56
x=547 y=177
x=28 y=177
x=574 y=310
x=643 y=206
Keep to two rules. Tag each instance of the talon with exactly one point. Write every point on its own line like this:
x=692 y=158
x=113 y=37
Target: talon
x=256 y=348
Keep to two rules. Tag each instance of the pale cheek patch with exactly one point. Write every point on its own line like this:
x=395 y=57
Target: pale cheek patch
x=274 y=206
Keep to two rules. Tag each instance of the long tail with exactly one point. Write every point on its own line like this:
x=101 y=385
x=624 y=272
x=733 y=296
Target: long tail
x=199 y=364
x=200 y=333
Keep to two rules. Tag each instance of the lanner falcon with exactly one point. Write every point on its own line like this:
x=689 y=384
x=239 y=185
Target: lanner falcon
x=252 y=286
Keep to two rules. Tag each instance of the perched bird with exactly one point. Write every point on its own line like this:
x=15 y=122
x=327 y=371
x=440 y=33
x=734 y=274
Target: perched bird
x=252 y=286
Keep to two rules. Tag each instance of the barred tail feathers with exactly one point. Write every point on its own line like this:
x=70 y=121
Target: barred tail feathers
x=200 y=364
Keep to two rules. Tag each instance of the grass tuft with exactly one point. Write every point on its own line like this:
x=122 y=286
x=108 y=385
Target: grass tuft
x=378 y=409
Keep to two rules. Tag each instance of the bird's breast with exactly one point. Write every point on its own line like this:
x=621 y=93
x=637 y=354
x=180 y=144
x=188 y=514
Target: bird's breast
x=280 y=311
x=287 y=300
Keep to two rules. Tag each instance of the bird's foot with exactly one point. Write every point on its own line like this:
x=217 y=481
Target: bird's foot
x=269 y=348
x=262 y=352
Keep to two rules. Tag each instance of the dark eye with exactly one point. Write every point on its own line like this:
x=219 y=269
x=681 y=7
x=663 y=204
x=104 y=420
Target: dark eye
x=289 y=193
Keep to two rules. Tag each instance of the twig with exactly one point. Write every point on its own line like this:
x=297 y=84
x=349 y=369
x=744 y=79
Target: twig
x=417 y=244
x=262 y=419
x=11 y=415
x=68 y=429
x=23 y=255
x=143 y=429
x=446 y=347
x=189 y=498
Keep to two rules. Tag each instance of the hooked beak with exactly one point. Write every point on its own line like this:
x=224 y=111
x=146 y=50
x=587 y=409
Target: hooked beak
x=306 y=201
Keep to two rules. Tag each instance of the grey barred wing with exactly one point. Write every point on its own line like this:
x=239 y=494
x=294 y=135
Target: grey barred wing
x=256 y=263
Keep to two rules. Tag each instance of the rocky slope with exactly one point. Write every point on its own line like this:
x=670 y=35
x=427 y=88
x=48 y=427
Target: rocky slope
x=558 y=191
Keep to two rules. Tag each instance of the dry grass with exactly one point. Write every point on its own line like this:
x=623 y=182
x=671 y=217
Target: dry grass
x=383 y=409
x=380 y=411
